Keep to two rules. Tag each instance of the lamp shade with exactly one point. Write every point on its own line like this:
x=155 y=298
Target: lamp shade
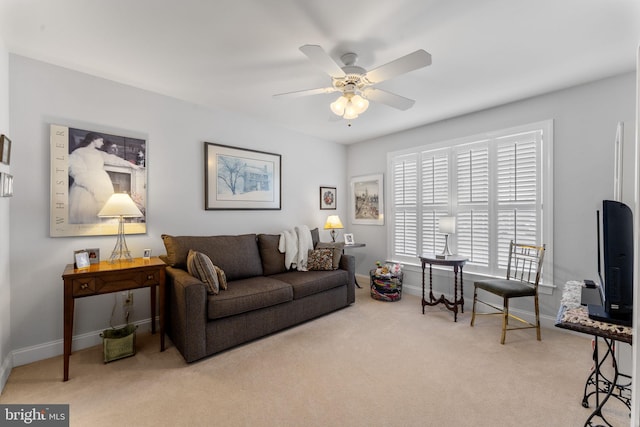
x=447 y=225
x=120 y=205
x=333 y=222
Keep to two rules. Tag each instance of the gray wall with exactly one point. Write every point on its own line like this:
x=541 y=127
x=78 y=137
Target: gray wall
x=585 y=119
x=5 y=288
x=43 y=94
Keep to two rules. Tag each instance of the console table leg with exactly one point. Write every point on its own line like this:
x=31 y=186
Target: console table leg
x=423 y=300
x=153 y=289
x=455 y=293
x=68 y=331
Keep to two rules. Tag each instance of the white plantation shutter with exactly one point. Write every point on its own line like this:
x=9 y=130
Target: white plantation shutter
x=516 y=224
x=492 y=185
x=472 y=177
x=472 y=231
x=404 y=232
x=404 y=182
x=435 y=198
x=435 y=178
x=472 y=174
x=518 y=195
x=517 y=179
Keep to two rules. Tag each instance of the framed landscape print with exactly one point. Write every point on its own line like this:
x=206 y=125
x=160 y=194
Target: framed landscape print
x=87 y=167
x=241 y=179
x=367 y=202
x=328 y=198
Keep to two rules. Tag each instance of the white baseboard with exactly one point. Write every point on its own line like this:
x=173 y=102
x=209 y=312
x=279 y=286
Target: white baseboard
x=26 y=355
x=5 y=370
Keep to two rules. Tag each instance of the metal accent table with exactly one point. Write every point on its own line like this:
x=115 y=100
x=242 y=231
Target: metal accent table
x=575 y=317
x=354 y=245
x=455 y=261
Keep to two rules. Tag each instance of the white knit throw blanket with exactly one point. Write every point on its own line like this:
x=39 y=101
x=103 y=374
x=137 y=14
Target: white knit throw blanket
x=295 y=244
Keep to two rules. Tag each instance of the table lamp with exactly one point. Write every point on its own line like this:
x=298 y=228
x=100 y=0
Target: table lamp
x=333 y=223
x=446 y=225
x=121 y=206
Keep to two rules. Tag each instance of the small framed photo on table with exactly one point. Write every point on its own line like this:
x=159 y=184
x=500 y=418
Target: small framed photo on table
x=81 y=259
x=146 y=254
x=348 y=239
x=94 y=255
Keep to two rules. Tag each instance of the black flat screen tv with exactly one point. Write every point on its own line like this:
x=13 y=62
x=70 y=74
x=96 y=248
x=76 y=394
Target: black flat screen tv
x=617 y=264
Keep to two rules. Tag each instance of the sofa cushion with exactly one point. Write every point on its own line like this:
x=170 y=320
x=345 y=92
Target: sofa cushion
x=320 y=259
x=272 y=258
x=200 y=266
x=238 y=255
x=305 y=283
x=337 y=249
x=248 y=295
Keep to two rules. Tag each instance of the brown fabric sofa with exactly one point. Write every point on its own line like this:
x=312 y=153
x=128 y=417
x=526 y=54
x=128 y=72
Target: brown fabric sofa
x=262 y=295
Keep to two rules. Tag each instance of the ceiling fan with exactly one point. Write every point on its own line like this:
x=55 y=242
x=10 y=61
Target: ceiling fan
x=357 y=85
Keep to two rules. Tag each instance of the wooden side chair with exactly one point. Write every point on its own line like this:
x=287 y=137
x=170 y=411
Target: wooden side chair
x=523 y=275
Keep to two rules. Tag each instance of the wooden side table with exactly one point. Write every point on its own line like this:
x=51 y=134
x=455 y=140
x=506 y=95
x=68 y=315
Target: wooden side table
x=455 y=261
x=106 y=277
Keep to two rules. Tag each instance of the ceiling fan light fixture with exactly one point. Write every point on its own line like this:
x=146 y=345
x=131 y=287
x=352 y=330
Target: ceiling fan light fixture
x=349 y=106
x=360 y=103
x=338 y=106
x=350 y=114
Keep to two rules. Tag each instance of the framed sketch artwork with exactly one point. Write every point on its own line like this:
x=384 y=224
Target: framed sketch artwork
x=240 y=179
x=367 y=202
x=328 y=198
x=87 y=167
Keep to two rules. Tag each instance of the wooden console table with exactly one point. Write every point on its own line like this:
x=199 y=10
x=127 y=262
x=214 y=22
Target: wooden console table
x=455 y=261
x=106 y=277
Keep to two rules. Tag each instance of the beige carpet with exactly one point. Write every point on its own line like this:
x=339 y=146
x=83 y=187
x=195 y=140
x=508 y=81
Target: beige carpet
x=371 y=364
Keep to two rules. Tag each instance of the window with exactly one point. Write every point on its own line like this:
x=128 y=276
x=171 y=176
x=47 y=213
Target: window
x=497 y=185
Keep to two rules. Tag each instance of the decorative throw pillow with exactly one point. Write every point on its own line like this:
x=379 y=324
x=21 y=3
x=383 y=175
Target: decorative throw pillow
x=222 y=278
x=320 y=259
x=336 y=249
x=200 y=266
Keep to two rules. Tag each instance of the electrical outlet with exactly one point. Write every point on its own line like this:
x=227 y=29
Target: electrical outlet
x=127 y=298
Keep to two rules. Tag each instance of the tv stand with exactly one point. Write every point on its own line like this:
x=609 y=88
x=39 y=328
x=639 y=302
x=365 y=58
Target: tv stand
x=576 y=317
x=597 y=312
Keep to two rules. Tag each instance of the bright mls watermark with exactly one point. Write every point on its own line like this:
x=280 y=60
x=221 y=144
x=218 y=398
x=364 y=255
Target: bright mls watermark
x=34 y=415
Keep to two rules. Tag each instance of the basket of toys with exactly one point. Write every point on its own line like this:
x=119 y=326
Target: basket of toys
x=386 y=282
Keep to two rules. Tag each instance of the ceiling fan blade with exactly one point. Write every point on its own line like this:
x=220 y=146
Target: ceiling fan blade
x=321 y=59
x=306 y=92
x=418 y=59
x=388 y=98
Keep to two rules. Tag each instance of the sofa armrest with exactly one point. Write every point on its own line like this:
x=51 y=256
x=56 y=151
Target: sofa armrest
x=348 y=262
x=187 y=308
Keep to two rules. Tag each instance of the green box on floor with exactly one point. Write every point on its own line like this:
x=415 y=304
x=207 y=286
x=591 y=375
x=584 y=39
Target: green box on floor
x=119 y=343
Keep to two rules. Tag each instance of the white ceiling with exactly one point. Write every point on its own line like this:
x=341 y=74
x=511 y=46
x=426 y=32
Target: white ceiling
x=235 y=54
